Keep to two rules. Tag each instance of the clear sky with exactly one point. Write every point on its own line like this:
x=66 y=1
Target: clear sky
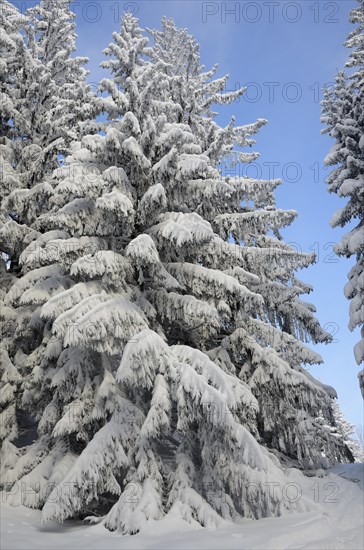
x=285 y=51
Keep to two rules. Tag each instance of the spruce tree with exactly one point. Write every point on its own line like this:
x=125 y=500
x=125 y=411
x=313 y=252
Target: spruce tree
x=46 y=102
x=343 y=114
x=51 y=101
x=110 y=382
x=345 y=431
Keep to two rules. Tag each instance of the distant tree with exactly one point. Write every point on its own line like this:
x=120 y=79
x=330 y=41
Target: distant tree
x=345 y=430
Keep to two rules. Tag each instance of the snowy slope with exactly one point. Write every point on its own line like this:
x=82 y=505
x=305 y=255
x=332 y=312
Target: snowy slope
x=335 y=520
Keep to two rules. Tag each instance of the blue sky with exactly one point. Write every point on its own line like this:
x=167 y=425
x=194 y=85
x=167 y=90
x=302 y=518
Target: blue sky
x=286 y=51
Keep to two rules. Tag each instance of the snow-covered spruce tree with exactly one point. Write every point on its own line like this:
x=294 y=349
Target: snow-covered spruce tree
x=289 y=322
x=52 y=101
x=46 y=100
x=343 y=114
x=119 y=403
x=145 y=315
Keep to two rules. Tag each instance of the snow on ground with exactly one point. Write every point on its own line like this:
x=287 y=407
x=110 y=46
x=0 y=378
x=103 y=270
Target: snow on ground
x=337 y=501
